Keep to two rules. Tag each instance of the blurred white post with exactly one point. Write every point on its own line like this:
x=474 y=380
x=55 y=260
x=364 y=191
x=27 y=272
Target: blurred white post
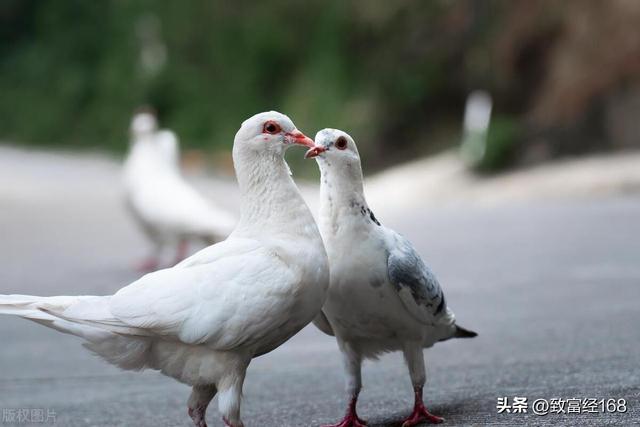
x=153 y=52
x=477 y=116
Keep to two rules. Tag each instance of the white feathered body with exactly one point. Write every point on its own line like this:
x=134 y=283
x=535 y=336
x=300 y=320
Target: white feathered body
x=226 y=304
x=362 y=305
x=222 y=306
x=203 y=320
x=382 y=296
x=166 y=207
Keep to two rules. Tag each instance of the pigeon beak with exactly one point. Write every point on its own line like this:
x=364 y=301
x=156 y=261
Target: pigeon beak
x=314 y=152
x=297 y=137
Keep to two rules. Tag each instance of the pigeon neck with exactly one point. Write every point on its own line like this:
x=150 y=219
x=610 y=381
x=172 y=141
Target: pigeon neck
x=270 y=199
x=342 y=195
x=147 y=156
x=342 y=182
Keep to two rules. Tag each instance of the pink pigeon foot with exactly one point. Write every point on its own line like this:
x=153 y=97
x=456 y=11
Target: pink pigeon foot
x=351 y=419
x=147 y=265
x=227 y=423
x=420 y=413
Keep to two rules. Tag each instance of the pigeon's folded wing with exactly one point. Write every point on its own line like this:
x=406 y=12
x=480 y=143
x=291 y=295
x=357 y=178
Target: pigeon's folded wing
x=179 y=207
x=229 y=301
x=417 y=286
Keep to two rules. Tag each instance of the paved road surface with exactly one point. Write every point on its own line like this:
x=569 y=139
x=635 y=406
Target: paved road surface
x=553 y=290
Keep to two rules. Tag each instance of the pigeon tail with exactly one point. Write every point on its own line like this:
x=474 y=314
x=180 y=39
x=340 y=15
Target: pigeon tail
x=116 y=348
x=464 y=333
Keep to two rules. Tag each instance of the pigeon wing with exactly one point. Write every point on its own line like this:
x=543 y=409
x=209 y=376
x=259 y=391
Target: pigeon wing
x=416 y=285
x=225 y=303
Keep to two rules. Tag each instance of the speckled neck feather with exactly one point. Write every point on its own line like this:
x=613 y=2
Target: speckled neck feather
x=342 y=194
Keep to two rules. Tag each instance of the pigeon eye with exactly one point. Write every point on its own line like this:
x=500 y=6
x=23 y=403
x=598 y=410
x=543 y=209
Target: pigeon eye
x=341 y=143
x=271 y=127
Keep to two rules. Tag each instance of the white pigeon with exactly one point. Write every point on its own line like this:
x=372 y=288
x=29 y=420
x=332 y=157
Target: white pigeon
x=202 y=321
x=168 y=210
x=382 y=297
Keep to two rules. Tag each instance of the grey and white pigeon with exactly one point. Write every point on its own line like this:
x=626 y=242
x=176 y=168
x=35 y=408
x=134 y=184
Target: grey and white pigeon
x=382 y=296
x=167 y=208
x=202 y=321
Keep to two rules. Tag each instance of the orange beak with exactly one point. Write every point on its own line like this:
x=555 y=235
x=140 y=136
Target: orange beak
x=297 y=137
x=314 y=152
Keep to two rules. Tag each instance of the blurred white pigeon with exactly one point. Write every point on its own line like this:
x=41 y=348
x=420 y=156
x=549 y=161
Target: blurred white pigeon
x=202 y=321
x=382 y=296
x=169 y=211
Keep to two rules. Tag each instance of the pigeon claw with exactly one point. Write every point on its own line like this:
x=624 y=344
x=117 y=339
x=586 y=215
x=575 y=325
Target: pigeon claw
x=420 y=415
x=197 y=415
x=350 y=420
x=227 y=423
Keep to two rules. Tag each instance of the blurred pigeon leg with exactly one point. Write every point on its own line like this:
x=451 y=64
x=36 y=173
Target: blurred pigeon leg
x=148 y=264
x=152 y=262
x=183 y=250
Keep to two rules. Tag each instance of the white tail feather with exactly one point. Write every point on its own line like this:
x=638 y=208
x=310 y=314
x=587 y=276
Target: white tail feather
x=81 y=316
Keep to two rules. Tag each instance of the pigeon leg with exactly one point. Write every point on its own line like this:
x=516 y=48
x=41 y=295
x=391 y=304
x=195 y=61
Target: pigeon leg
x=230 y=396
x=352 y=366
x=198 y=403
x=415 y=361
x=152 y=262
x=183 y=248
x=420 y=413
x=351 y=418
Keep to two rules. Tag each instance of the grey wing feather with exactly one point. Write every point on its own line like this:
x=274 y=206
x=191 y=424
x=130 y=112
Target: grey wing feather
x=417 y=286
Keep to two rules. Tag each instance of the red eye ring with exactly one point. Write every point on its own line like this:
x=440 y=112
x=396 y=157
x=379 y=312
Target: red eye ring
x=271 y=127
x=341 y=143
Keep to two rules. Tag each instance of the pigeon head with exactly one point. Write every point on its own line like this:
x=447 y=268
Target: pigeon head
x=334 y=146
x=143 y=123
x=340 y=169
x=270 y=132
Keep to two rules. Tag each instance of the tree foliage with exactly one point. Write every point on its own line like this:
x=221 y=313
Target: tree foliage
x=394 y=74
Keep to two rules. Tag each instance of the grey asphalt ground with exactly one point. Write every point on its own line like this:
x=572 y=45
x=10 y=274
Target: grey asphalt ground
x=552 y=288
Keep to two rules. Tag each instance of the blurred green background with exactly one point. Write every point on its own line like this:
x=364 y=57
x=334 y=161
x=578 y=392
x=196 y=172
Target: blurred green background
x=564 y=76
